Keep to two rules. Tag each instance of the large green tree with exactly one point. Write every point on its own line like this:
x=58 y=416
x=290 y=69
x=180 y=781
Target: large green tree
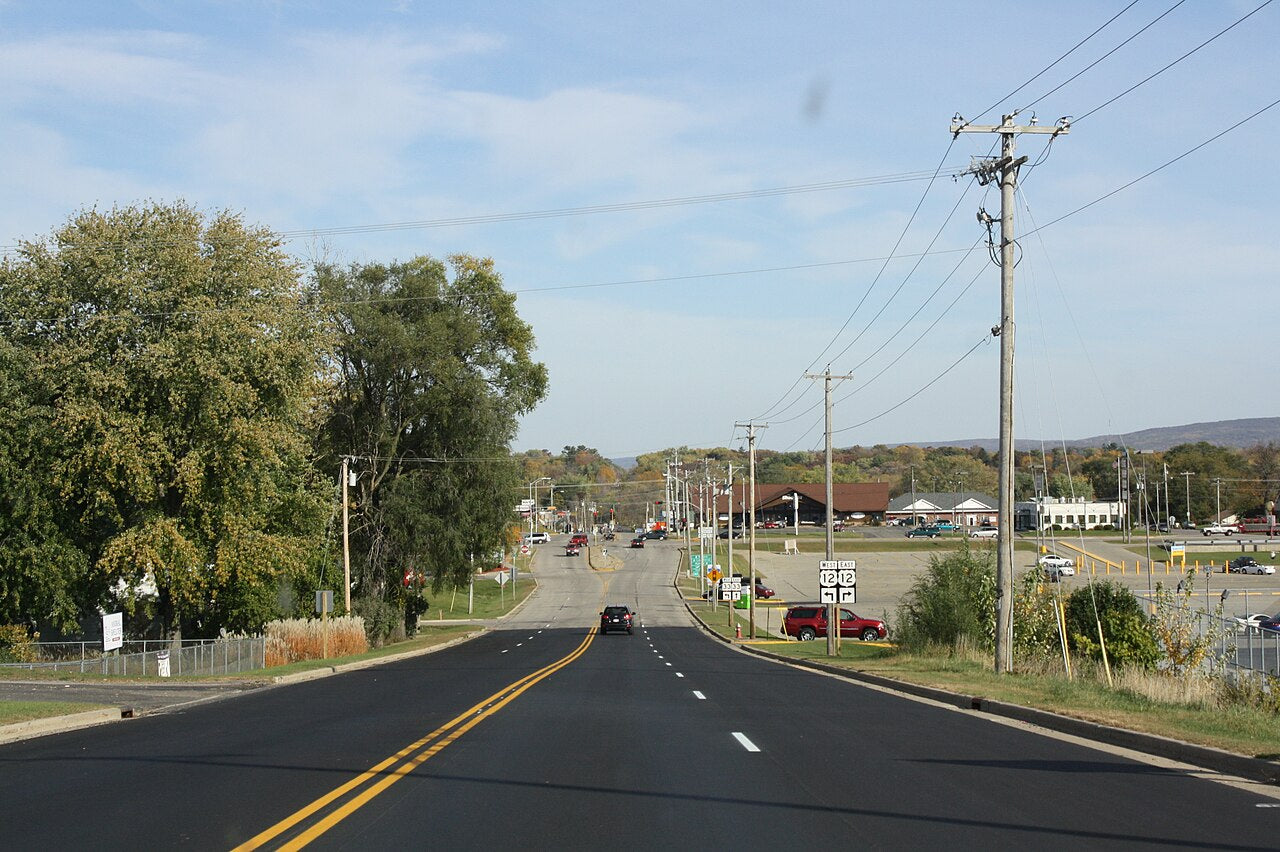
x=433 y=367
x=161 y=368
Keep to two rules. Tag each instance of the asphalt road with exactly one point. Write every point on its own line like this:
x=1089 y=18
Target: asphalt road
x=544 y=735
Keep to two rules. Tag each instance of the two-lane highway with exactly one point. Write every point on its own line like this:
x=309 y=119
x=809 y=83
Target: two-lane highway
x=545 y=734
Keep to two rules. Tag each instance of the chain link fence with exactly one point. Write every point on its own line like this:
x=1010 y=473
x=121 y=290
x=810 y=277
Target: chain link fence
x=148 y=658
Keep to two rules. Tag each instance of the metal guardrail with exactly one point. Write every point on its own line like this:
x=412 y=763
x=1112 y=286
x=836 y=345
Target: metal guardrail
x=146 y=658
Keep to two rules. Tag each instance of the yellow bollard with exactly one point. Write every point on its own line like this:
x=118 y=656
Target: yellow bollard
x=1122 y=566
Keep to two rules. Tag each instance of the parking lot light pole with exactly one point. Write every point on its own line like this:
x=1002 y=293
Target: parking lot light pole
x=1186 y=475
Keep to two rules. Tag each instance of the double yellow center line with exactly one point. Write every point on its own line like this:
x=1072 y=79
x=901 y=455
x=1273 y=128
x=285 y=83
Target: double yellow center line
x=379 y=777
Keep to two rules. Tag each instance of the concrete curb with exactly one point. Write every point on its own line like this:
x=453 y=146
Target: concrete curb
x=1207 y=757
x=57 y=724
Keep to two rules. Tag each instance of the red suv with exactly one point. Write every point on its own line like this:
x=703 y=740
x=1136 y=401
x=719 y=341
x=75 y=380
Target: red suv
x=579 y=539
x=810 y=621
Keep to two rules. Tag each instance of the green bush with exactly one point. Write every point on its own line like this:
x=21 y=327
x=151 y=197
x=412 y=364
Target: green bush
x=1127 y=631
x=15 y=645
x=382 y=619
x=952 y=603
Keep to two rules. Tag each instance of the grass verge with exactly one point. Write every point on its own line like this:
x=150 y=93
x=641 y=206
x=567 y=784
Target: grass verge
x=490 y=601
x=24 y=711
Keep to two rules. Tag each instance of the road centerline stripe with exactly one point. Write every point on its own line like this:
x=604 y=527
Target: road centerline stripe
x=446 y=734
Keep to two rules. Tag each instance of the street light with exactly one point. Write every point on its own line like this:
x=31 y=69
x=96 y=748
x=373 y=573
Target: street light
x=1186 y=474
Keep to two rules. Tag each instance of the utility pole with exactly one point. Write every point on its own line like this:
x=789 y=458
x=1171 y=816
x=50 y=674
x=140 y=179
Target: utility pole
x=751 y=427
x=1217 y=487
x=833 y=609
x=346 y=539
x=1005 y=169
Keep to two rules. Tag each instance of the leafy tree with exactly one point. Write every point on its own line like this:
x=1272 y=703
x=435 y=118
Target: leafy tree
x=166 y=366
x=433 y=367
x=1129 y=640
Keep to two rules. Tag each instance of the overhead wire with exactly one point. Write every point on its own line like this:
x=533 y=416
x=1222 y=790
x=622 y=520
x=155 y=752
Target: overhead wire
x=1102 y=58
x=1050 y=66
x=1152 y=76
x=553 y=213
x=892 y=254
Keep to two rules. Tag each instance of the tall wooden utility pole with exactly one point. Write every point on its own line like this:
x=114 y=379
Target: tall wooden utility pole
x=751 y=427
x=833 y=609
x=346 y=540
x=1005 y=169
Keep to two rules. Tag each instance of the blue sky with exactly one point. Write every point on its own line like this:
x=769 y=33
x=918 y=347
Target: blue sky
x=664 y=324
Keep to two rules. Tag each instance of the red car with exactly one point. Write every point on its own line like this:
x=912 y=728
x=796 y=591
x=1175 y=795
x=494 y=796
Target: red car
x=638 y=541
x=810 y=621
x=578 y=540
x=763 y=592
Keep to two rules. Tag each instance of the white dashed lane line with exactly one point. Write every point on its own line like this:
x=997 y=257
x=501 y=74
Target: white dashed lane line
x=678 y=674
x=746 y=743
x=698 y=695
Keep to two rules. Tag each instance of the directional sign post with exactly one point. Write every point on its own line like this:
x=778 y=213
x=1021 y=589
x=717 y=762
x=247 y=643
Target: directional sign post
x=838 y=581
x=730 y=588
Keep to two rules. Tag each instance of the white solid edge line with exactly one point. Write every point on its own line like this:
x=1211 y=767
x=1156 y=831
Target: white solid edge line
x=698 y=695
x=746 y=743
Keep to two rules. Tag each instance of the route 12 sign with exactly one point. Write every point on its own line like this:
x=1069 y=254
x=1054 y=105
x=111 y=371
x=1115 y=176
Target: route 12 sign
x=838 y=581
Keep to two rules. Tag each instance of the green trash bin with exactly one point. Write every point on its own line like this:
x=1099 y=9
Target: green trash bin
x=743 y=602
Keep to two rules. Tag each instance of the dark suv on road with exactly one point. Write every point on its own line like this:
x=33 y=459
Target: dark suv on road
x=617 y=618
x=810 y=621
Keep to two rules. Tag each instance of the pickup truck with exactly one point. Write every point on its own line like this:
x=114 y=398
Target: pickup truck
x=1217 y=529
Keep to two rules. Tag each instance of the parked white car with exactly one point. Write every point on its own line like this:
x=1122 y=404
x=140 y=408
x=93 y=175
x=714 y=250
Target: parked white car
x=984 y=532
x=1251 y=622
x=536 y=538
x=1056 y=567
x=1249 y=565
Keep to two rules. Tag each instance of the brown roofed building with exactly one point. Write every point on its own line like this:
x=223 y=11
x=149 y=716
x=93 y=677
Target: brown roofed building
x=852 y=502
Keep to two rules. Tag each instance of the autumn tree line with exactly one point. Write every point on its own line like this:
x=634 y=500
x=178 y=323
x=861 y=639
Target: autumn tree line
x=1242 y=481
x=177 y=397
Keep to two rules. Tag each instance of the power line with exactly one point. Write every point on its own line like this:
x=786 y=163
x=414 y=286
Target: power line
x=1159 y=168
x=956 y=363
x=1048 y=67
x=1104 y=56
x=1150 y=77
x=892 y=253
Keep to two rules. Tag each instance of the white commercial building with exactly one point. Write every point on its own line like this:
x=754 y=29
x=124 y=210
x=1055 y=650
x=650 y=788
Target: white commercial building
x=1067 y=514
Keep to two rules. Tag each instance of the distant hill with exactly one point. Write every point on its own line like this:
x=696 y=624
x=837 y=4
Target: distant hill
x=1225 y=433
x=625 y=462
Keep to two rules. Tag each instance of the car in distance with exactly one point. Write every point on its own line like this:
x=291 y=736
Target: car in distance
x=638 y=541
x=924 y=532
x=1217 y=529
x=616 y=618
x=984 y=532
x=763 y=592
x=656 y=535
x=579 y=540
x=1056 y=567
x=1248 y=565
x=572 y=549
x=945 y=526
x=1249 y=622
x=536 y=538
x=737 y=533
x=809 y=621
x=1271 y=622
